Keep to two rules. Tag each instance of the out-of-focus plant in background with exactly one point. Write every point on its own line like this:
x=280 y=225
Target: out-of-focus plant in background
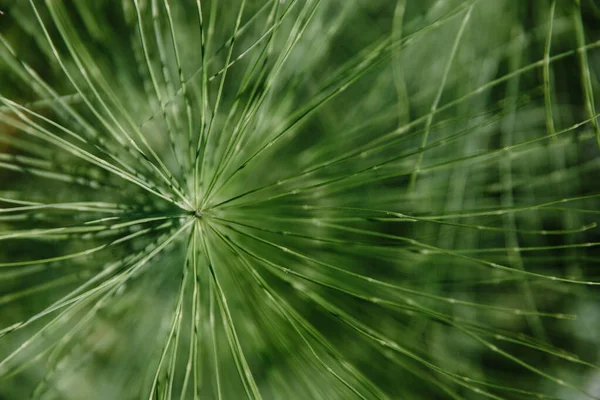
x=299 y=199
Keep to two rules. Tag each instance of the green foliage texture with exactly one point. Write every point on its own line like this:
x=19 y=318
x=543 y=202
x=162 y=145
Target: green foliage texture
x=299 y=199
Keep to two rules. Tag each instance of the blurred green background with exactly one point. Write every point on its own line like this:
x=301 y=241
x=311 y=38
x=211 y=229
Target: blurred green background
x=374 y=199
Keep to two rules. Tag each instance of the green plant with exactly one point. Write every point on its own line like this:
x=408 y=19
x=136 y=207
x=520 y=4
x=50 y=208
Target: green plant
x=299 y=199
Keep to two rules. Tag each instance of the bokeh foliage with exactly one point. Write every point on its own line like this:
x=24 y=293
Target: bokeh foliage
x=299 y=199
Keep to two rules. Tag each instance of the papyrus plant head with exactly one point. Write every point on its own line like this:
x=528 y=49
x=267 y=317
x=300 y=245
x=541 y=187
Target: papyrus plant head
x=299 y=199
